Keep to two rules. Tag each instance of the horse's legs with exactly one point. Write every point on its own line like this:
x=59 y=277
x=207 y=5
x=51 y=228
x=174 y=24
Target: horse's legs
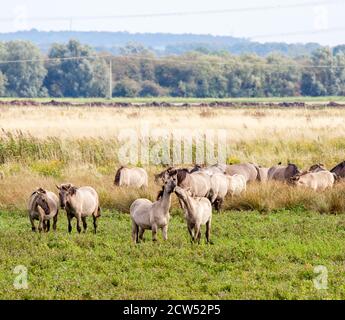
x=165 y=232
x=190 y=230
x=135 y=230
x=69 y=217
x=55 y=221
x=154 y=232
x=199 y=236
x=47 y=225
x=208 y=230
x=33 y=227
x=181 y=204
x=218 y=204
x=95 y=223
x=40 y=223
x=78 y=216
x=84 y=223
x=197 y=233
x=141 y=233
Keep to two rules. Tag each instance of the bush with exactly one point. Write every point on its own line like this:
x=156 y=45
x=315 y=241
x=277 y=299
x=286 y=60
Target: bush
x=126 y=88
x=151 y=89
x=48 y=168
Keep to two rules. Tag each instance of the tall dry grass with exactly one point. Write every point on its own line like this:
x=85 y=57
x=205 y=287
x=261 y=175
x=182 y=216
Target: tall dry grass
x=242 y=124
x=272 y=196
x=89 y=135
x=42 y=146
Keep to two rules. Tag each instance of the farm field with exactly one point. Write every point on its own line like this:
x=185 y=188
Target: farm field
x=266 y=242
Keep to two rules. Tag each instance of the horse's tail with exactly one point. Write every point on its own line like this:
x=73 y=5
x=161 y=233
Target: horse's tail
x=258 y=175
x=118 y=176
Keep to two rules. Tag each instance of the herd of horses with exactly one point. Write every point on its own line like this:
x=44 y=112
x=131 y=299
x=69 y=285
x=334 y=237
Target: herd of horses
x=197 y=189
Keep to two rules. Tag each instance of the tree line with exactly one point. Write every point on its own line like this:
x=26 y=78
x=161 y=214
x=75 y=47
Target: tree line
x=138 y=72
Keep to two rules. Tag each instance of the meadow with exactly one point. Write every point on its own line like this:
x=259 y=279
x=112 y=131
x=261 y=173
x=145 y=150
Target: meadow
x=253 y=256
x=266 y=242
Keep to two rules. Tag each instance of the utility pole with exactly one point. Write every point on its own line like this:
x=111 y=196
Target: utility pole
x=70 y=23
x=110 y=95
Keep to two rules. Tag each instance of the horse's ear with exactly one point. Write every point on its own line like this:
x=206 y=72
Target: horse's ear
x=72 y=191
x=58 y=187
x=172 y=172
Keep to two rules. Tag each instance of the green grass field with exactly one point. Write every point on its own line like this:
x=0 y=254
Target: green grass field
x=253 y=256
x=269 y=252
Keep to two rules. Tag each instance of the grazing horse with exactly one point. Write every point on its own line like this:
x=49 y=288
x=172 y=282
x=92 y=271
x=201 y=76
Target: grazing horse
x=339 y=170
x=131 y=177
x=248 y=170
x=218 y=190
x=316 y=180
x=262 y=174
x=198 y=182
x=236 y=184
x=283 y=173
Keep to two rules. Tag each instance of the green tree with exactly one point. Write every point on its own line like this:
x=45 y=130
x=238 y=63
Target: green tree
x=321 y=76
x=70 y=77
x=23 y=79
x=281 y=77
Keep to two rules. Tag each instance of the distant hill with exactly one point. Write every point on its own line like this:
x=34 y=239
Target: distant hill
x=161 y=43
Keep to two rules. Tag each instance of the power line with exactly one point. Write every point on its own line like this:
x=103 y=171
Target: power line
x=55 y=59
x=184 y=13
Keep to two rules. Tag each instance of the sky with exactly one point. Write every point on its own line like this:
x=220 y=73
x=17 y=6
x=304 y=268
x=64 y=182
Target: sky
x=319 y=21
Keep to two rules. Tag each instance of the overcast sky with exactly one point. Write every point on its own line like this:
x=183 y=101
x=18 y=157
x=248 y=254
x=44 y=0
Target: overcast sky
x=322 y=22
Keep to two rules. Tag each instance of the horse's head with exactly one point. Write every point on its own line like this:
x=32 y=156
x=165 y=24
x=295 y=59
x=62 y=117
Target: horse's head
x=42 y=199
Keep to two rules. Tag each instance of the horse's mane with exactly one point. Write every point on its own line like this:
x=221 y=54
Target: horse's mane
x=340 y=165
x=181 y=175
x=160 y=194
x=304 y=173
x=117 y=176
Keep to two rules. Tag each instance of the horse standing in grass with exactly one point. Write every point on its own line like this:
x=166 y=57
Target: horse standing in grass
x=43 y=206
x=198 y=212
x=79 y=203
x=148 y=215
